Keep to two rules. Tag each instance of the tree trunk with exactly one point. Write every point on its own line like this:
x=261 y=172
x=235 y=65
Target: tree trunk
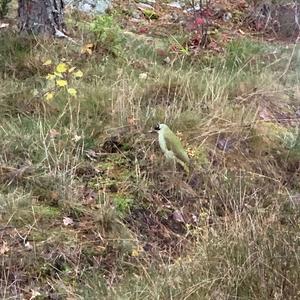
x=41 y=16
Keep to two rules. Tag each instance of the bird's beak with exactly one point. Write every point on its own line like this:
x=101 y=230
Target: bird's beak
x=151 y=131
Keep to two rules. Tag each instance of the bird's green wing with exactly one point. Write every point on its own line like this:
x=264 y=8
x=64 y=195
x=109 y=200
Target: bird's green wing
x=173 y=143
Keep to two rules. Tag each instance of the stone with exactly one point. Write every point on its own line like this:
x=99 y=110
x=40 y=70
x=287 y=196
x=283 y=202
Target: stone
x=143 y=6
x=136 y=14
x=148 y=1
x=175 y=5
x=90 y=6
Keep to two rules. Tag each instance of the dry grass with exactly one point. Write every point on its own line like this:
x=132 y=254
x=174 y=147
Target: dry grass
x=92 y=159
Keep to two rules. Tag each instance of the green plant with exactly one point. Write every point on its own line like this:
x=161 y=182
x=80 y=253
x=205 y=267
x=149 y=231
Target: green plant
x=4 y=7
x=60 y=79
x=241 y=52
x=123 y=205
x=108 y=34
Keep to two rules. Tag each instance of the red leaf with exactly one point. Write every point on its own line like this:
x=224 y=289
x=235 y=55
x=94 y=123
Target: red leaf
x=199 y=21
x=143 y=30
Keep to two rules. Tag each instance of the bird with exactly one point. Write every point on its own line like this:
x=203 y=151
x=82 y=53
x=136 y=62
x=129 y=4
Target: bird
x=171 y=146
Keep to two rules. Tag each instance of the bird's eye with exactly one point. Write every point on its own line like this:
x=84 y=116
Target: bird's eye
x=156 y=127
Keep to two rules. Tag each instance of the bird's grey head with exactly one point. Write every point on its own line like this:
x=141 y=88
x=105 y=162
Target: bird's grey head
x=159 y=126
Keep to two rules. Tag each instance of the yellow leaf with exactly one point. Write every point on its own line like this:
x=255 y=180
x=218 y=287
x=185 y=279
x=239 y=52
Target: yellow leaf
x=72 y=92
x=50 y=76
x=78 y=74
x=135 y=253
x=62 y=83
x=49 y=96
x=87 y=49
x=61 y=68
x=48 y=62
x=72 y=69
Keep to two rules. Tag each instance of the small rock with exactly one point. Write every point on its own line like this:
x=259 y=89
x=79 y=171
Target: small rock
x=113 y=188
x=175 y=5
x=193 y=9
x=227 y=16
x=68 y=221
x=148 y=1
x=4 y=25
x=136 y=14
x=195 y=218
x=89 y=6
x=147 y=247
x=134 y=20
x=28 y=246
x=167 y=60
x=143 y=76
x=224 y=144
x=174 y=17
x=143 y=6
x=178 y=217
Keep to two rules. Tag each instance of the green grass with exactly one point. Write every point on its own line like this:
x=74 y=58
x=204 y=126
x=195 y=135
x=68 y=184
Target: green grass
x=92 y=159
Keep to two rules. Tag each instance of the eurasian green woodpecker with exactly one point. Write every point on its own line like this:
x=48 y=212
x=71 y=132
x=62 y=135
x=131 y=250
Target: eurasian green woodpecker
x=171 y=145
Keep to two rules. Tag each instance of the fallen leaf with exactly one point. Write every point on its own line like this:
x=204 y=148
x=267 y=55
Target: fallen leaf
x=265 y=114
x=4 y=248
x=143 y=76
x=135 y=253
x=53 y=133
x=28 y=246
x=143 y=30
x=199 y=21
x=34 y=294
x=91 y=154
x=4 y=25
x=76 y=138
x=68 y=221
x=71 y=69
x=48 y=62
x=132 y=120
x=152 y=157
x=195 y=218
x=87 y=49
x=35 y=92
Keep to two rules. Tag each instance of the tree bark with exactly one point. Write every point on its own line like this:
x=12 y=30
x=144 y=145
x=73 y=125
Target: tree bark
x=41 y=16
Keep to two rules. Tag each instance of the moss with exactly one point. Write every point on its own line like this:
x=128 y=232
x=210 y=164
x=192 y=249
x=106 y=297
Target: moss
x=151 y=14
x=46 y=212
